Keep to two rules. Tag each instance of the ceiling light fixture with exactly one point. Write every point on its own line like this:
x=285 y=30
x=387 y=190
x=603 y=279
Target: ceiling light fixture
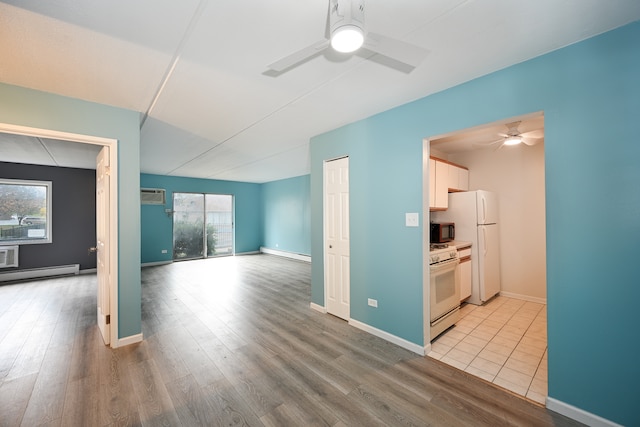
x=513 y=140
x=347 y=38
x=347 y=25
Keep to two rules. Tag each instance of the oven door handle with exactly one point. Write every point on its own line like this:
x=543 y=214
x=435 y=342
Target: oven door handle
x=437 y=268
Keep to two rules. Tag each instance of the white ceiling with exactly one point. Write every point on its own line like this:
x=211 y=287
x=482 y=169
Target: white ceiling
x=197 y=70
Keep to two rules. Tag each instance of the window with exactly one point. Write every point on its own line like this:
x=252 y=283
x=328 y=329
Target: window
x=25 y=211
x=202 y=225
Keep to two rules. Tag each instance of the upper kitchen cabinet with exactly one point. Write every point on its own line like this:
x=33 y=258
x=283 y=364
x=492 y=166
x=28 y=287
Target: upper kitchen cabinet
x=445 y=177
x=438 y=185
x=458 y=178
x=432 y=183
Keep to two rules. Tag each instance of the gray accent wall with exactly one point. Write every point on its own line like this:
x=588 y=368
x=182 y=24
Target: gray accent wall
x=73 y=216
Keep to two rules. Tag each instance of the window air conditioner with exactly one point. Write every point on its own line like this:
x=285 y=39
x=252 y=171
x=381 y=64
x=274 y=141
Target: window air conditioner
x=8 y=256
x=152 y=196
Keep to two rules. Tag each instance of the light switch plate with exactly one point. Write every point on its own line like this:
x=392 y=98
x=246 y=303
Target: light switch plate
x=411 y=219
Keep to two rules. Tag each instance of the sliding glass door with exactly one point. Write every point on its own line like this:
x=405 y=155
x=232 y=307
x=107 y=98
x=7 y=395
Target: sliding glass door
x=202 y=225
x=219 y=220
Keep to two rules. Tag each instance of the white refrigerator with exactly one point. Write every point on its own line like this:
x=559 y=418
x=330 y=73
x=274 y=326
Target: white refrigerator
x=475 y=214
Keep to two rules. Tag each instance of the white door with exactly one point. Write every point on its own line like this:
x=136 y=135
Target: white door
x=489 y=261
x=336 y=237
x=102 y=240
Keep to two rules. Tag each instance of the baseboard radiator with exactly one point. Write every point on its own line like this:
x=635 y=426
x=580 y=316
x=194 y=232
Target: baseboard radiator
x=36 y=273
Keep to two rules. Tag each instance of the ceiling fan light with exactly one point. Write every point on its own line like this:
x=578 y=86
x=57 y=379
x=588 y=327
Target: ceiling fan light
x=513 y=140
x=347 y=38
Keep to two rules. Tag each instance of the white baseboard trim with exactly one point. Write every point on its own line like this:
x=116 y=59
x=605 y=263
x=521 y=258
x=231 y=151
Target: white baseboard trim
x=578 y=414
x=247 y=253
x=153 y=264
x=388 y=337
x=523 y=297
x=293 y=255
x=133 y=339
x=427 y=349
x=318 y=308
x=36 y=273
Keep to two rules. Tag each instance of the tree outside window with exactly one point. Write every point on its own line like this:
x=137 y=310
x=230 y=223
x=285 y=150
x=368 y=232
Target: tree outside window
x=25 y=211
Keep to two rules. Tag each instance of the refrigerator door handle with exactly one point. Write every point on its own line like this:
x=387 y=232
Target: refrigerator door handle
x=484 y=241
x=484 y=211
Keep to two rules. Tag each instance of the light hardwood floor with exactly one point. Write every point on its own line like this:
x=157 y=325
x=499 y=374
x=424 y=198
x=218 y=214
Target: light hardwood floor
x=228 y=341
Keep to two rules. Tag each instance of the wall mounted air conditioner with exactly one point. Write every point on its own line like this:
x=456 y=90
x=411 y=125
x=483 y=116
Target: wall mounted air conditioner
x=152 y=196
x=8 y=256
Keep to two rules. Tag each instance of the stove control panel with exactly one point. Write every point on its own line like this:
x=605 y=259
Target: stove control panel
x=442 y=255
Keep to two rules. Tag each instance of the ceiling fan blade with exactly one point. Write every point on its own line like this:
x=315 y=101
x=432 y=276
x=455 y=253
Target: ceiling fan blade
x=486 y=144
x=299 y=56
x=536 y=134
x=397 y=50
x=532 y=141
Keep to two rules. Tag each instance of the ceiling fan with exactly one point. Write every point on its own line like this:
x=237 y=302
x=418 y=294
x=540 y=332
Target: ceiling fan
x=515 y=137
x=346 y=34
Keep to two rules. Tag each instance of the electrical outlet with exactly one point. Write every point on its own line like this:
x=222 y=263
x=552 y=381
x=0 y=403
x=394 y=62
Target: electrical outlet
x=372 y=302
x=164 y=251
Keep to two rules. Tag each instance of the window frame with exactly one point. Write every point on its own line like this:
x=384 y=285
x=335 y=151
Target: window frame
x=49 y=203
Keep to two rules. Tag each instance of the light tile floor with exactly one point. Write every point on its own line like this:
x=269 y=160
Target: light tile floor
x=503 y=341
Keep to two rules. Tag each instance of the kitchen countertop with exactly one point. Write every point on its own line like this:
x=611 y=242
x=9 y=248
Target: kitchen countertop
x=459 y=244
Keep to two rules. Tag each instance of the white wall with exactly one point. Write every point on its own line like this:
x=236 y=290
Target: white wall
x=517 y=175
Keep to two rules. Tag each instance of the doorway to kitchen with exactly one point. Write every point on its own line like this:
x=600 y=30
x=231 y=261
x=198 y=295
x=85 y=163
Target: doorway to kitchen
x=202 y=225
x=504 y=340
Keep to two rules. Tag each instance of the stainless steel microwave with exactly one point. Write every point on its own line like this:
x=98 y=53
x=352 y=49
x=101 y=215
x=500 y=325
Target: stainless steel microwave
x=442 y=232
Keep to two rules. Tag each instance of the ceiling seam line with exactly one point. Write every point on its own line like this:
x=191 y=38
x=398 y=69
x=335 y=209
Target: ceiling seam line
x=176 y=57
x=277 y=110
x=256 y=161
x=44 y=146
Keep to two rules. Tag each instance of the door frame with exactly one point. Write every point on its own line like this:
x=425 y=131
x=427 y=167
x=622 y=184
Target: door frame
x=113 y=203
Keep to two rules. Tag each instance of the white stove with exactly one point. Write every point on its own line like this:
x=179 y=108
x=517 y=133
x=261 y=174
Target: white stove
x=445 y=289
x=438 y=255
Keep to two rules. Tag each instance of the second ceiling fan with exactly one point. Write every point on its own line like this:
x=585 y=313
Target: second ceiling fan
x=515 y=137
x=346 y=33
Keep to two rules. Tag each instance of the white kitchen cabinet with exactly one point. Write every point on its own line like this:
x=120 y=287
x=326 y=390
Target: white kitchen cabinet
x=463 y=179
x=458 y=178
x=464 y=273
x=441 y=199
x=432 y=183
x=445 y=177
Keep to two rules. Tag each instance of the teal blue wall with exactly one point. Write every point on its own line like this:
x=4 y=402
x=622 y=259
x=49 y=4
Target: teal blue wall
x=157 y=227
x=25 y=107
x=590 y=95
x=287 y=215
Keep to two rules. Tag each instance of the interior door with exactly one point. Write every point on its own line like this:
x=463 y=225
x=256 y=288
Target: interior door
x=102 y=243
x=336 y=237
